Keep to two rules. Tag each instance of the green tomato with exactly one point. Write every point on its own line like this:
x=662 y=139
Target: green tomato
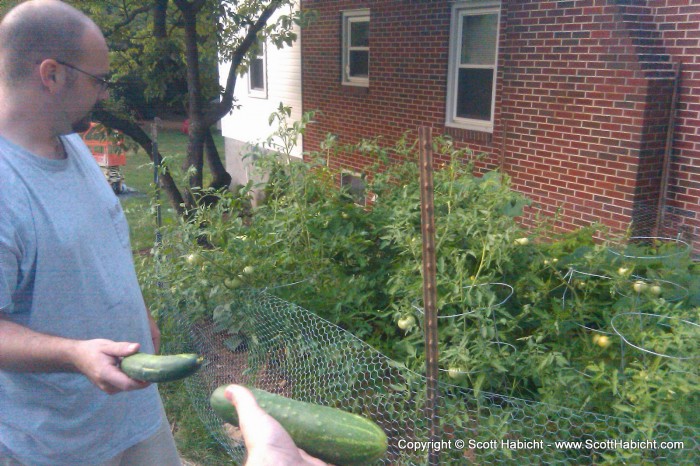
x=455 y=373
x=248 y=269
x=194 y=259
x=522 y=241
x=603 y=341
x=639 y=286
x=407 y=322
x=655 y=290
x=233 y=283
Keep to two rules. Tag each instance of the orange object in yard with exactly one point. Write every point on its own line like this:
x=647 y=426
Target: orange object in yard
x=106 y=152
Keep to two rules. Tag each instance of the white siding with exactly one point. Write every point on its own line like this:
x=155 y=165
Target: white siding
x=249 y=123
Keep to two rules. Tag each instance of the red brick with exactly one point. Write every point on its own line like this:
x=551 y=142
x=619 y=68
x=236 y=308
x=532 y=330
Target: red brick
x=578 y=106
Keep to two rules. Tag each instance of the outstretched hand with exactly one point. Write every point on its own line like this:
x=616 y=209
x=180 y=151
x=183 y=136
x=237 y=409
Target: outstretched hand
x=266 y=440
x=99 y=361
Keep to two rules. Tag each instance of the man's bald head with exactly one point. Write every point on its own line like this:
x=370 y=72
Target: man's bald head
x=36 y=30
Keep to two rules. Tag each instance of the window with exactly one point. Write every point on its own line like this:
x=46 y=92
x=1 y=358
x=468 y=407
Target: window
x=354 y=185
x=257 y=73
x=356 y=48
x=472 y=68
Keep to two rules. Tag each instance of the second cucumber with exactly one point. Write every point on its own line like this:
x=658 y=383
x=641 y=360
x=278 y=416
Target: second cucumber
x=165 y=368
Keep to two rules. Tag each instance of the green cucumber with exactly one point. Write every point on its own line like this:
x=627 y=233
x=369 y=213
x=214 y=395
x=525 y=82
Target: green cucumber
x=330 y=434
x=154 y=368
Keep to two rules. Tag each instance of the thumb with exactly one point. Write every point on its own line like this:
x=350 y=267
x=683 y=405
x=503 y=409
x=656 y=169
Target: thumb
x=244 y=401
x=254 y=422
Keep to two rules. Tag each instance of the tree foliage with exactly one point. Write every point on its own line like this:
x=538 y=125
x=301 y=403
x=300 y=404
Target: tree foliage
x=171 y=48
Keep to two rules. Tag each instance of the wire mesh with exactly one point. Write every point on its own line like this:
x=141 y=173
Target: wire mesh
x=283 y=348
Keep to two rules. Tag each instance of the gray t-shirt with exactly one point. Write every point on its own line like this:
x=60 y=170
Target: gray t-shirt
x=66 y=269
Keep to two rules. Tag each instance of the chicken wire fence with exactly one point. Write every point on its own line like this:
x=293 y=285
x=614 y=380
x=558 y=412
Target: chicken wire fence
x=283 y=348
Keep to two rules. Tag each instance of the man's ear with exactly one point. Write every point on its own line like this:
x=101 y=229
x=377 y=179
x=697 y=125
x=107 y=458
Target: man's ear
x=51 y=74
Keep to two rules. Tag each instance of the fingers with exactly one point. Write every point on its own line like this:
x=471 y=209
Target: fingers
x=113 y=381
x=99 y=360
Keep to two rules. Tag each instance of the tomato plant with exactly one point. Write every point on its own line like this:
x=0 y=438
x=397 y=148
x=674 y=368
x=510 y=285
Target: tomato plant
x=524 y=313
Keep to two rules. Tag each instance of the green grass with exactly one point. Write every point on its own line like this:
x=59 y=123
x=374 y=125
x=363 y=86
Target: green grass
x=193 y=440
x=138 y=175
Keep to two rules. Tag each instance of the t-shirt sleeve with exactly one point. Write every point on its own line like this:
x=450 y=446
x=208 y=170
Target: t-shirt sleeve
x=5 y=295
x=9 y=255
x=8 y=278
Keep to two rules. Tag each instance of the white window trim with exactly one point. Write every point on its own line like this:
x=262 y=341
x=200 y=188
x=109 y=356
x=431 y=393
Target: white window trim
x=260 y=93
x=458 y=11
x=350 y=17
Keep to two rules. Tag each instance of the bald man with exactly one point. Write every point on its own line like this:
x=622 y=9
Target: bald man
x=70 y=304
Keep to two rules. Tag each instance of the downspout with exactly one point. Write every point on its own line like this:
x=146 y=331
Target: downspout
x=668 y=150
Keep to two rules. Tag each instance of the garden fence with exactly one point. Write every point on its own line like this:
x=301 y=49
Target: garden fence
x=283 y=348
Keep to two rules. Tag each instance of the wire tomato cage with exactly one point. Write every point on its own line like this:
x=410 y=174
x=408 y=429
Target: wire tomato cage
x=651 y=248
x=667 y=290
x=637 y=329
x=497 y=294
x=472 y=311
x=571 y=276
x=635 y=286
x=651 y=333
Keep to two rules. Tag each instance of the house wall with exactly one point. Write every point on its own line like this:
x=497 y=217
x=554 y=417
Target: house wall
x=248 y=122
x=581 y=107
x=679 y=27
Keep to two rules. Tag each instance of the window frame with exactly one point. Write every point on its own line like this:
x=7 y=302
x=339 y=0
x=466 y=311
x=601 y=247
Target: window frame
x=259 y=93
x=349 y=17
x=459 y=11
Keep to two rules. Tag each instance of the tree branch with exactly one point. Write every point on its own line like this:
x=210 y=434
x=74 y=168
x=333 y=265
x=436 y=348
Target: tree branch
x=128 y=19
x=137 y=133
x=217 y=111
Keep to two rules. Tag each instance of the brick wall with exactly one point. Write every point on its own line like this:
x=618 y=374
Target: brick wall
x=408 y=67
x=679 y=26
x=581 y=103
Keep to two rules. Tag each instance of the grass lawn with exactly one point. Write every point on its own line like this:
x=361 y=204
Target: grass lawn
x=138 y=175
x=193 y=441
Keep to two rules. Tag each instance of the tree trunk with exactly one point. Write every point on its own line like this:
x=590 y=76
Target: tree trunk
x=220 y=177
x=160 y=10
x=195 y=146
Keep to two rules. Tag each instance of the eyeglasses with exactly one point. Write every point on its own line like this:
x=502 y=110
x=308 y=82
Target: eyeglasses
x=104 y=83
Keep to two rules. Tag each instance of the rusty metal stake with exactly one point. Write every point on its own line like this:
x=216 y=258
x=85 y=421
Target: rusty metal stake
x=668 y=153
x=156 y=177
x=429 y=287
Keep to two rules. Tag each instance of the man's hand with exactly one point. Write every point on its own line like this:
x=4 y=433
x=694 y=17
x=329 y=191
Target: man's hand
x=266 y=440
x=24 y=350
x=99 y=361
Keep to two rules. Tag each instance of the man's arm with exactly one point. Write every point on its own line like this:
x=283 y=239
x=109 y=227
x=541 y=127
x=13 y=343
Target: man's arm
x=24 y=350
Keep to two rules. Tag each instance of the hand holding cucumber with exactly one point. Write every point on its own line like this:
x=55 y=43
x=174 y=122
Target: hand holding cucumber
x=99 y=360
x=331 y=434
x=266 y=440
